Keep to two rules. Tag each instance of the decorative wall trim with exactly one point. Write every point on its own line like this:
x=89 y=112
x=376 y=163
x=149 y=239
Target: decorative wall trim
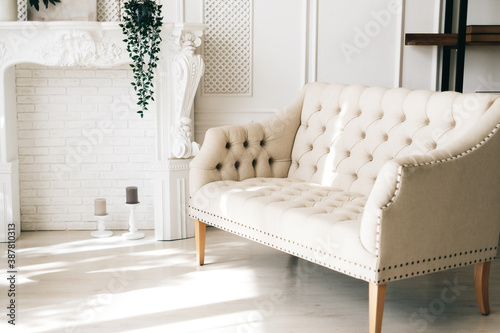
x=183 y=199
x=171 y=199
x=4 y=216
x=400 y=31
x=188 y=71
x=80 y=48
x=9 y=168
x=310 y=41
x=236 y=111
x=181 y=70
x=181 y=10
x=228 y=47
x=437 y=51
x=181 y=164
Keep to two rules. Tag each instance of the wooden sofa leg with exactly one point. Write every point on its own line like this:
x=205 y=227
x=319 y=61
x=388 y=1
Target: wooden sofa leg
x=376 y=301
x=199 y=236
x=481 y=281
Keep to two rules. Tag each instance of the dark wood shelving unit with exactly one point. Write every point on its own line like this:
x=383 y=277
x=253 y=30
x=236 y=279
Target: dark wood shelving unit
x=450 y=41
x=431 y=39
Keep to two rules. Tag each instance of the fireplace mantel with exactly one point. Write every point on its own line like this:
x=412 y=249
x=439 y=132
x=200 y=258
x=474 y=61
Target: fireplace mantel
x=99 y=44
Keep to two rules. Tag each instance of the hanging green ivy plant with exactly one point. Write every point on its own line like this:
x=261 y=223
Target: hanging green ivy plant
x=36 y=3
x=141 y=25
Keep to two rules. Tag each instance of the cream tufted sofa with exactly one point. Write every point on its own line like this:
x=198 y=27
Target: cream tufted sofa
x=379 y=184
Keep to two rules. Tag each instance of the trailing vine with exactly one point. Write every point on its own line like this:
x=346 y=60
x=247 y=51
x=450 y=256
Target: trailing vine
x=36 y=3
x=142 y=21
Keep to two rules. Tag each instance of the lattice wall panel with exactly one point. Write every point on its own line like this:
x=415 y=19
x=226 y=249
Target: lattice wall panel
x=22 y=10
x=108 y=10
x=228 y=47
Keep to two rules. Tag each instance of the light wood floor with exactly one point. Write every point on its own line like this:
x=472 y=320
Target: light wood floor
x=70 y=282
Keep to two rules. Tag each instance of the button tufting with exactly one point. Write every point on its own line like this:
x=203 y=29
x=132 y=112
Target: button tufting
x=348 y=153
x=271 y=160
x=363 y=135
x=385 y=137
x=236 y=164
x=245 y=143
x=254 y=163
x=354 y=176
x=409 y=141
x=261 y=142
x=218 y=166
x=228 y=145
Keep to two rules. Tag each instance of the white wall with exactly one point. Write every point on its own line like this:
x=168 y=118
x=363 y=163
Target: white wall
x=359 y=41
x=298 y=41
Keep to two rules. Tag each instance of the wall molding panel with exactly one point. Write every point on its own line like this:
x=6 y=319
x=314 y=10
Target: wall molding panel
x=310 y=41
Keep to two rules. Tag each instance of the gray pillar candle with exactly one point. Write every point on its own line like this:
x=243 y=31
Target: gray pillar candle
x=100 y=207
x=132 y=196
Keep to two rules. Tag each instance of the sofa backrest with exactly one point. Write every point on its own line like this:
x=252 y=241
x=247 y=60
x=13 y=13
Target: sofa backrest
x=348 y=132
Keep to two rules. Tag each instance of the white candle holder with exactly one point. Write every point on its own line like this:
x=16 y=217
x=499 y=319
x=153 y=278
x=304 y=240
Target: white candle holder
x=133 y=233
x=101 y=228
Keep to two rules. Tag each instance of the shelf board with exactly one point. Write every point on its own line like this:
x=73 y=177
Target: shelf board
x=432 y=39
x=483 y=29
x=482 y=43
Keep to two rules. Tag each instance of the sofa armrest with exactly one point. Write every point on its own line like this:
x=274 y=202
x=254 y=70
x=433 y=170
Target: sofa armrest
x=238 y=152
x=437 y=204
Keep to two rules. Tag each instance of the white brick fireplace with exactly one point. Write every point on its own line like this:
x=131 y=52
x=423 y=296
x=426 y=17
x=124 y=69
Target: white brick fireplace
x=69 y=132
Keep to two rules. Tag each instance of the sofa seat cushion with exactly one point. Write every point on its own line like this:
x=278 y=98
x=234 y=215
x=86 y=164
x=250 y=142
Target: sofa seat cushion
x=319 y=222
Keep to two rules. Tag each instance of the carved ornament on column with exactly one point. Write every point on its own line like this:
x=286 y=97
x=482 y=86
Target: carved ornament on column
x=3 y=51
x=188 y=68
x=80 y=48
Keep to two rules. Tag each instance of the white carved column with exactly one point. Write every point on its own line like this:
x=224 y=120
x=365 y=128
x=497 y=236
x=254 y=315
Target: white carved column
x=10 y=212
x=9 y=195
x=178 y=78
